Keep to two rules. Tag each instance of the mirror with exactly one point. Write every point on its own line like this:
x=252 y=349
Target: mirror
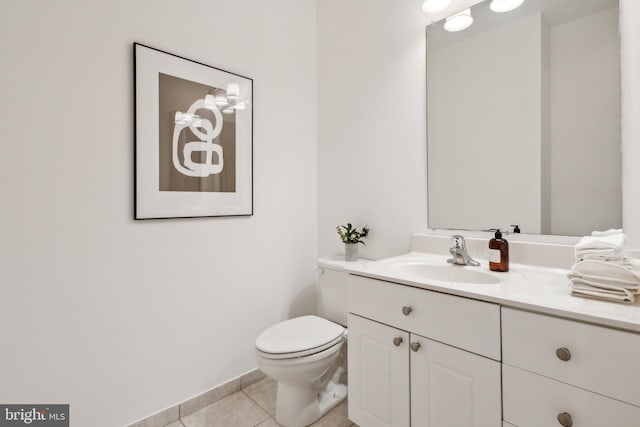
x=523 y=119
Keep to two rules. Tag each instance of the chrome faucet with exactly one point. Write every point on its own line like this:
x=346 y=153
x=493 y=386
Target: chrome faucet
x=459 y=252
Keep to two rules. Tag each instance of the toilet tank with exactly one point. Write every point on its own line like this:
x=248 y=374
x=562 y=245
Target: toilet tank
x=332 y=288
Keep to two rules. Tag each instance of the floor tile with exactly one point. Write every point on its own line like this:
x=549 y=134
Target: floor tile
x=264 y=394
x=175 y=424
x=211 y=396
x=162 y=418
x=271 y=422
x=337 y=417
x=237 y=410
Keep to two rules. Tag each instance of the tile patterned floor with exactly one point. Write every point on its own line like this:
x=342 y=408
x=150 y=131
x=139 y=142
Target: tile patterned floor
x=254 y=406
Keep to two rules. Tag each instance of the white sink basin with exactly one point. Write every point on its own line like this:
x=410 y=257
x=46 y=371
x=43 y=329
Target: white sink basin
x=445 y=273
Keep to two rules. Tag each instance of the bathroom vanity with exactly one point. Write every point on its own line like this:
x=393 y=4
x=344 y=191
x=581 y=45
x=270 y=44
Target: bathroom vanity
x=436 y=345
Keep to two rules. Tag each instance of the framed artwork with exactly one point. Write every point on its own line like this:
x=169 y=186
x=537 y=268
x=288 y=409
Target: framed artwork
x=193 y=138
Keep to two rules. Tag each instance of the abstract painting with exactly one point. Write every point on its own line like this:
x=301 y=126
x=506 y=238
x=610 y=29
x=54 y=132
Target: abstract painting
x=194 y=138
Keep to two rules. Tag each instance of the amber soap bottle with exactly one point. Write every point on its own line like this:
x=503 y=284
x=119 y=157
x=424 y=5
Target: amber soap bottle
x=498 y=253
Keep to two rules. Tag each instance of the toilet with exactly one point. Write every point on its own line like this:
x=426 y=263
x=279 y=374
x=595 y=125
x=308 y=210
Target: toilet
x=305 y=354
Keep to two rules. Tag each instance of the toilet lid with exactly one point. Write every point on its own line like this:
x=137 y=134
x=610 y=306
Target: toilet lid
x=299 y=335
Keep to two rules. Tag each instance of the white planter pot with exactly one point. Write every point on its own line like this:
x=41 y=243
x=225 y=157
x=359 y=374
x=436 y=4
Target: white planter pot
x=351 y=251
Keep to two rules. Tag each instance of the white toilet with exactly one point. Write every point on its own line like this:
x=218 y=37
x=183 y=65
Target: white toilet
x=304 y=354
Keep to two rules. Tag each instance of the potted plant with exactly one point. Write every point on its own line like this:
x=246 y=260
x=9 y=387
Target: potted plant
x=350 y=236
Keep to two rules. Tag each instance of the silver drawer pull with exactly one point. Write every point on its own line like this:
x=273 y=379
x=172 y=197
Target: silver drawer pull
x=565 y=419
x=406 y=310
x=565 y=355
x=397 y=341
x=415 y=346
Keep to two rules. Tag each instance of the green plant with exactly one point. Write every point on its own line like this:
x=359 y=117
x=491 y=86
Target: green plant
x=350 y=234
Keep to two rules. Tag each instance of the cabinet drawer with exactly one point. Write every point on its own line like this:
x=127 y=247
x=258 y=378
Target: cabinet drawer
x=599 y=359
x=530 y=400
x=460 y=322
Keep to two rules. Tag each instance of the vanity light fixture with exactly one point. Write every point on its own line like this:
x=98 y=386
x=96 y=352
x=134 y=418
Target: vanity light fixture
x=458 y=22
x=228 y=102
x=500 y=6
x=435 y=6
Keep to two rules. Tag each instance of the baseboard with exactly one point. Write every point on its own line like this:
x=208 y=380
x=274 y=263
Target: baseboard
x=189 y=406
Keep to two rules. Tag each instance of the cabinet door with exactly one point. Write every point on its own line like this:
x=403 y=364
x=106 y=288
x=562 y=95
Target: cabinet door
x=452 y=387
x=378 y=374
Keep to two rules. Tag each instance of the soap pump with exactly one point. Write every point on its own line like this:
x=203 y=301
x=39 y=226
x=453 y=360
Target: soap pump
x=498 y=253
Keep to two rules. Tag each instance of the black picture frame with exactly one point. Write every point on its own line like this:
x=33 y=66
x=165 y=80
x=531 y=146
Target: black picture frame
x=193 y=154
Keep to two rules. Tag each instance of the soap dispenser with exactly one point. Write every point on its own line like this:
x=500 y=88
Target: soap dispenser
x=498 y=253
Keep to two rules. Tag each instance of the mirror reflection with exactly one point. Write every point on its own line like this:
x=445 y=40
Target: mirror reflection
x=523 y=119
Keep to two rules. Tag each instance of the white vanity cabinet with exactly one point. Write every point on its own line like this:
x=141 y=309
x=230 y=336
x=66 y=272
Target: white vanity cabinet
x=421 y=358
x=559 y=372
x=378 y=374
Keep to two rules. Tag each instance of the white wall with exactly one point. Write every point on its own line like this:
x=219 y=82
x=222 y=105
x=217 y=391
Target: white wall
x=585 y=71
x=371 y=122
x=630 y=77
x=478 y=86
x=121 y=318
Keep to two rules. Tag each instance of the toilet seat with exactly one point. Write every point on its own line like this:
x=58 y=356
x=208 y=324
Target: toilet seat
x=299 y=337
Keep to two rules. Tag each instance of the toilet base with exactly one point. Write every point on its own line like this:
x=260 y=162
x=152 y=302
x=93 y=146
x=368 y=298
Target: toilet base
x=299 y=406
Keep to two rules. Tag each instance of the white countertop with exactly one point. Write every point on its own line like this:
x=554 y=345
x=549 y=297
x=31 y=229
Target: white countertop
x=539 y=289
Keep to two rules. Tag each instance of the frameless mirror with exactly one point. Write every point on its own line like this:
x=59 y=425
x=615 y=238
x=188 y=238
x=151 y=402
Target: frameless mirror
x=523 y=119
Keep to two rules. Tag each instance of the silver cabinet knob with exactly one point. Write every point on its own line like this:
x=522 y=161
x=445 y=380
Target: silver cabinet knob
x=406 y=310
x=563 y=354
x=397 y=341
x=565 y=419
x=415 y=346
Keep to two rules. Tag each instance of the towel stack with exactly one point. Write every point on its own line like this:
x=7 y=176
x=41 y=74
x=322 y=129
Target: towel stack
x=603 y=268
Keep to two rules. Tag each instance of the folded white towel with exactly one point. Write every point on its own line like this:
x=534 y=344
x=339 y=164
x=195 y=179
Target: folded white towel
x=615 y=259
x=611 y=247
x=602 y=295
x=606 y=272
x=615 y=288
x=616 y=242
x=608 y=232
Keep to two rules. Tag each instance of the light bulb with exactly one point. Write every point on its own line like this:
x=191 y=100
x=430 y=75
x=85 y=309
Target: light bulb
x=233 y=91
x=500 y=6
x=435 y=6
x=221 y=99
x=458 y=22
x=209 y=102
x=183 y=118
